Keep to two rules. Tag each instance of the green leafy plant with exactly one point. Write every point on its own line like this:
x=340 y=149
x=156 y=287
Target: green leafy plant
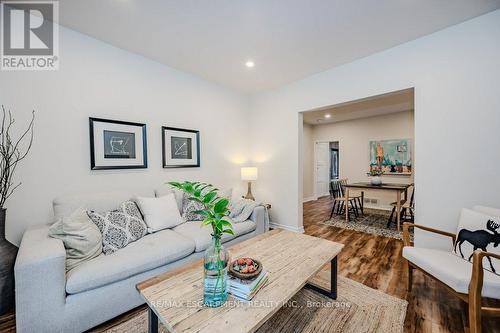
x=215 y=211
x=215 y=207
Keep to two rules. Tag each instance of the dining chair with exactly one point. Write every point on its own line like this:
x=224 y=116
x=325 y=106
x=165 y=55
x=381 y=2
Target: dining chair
x=338 y=191
x=407 y=208
x=358 y=198
x=333 y=189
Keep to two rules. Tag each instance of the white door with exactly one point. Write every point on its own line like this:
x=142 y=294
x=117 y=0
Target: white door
x=322 y=168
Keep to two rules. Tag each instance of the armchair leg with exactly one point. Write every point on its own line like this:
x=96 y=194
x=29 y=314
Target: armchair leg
x=474 y=316
x=409 y=281
x=475 y=288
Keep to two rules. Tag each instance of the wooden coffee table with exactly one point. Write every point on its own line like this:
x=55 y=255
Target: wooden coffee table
x=292 y=259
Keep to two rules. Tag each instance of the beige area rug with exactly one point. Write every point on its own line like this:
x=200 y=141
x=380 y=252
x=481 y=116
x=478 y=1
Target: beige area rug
x=373 y=221
x=358 y=309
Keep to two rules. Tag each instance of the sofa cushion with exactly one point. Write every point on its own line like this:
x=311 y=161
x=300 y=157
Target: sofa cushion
x=149 y=252
x=201 y=235
x=244 y=228
x=451 y=270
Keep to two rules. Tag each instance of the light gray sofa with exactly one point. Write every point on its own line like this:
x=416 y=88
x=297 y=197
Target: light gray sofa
x=49 y=300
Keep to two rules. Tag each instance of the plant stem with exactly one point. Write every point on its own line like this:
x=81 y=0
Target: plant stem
x=218 y=262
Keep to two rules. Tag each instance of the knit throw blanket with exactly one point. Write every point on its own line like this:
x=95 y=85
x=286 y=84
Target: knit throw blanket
x=242 y=209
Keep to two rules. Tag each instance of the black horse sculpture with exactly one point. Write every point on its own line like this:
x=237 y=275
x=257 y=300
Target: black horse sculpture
x=479 y=239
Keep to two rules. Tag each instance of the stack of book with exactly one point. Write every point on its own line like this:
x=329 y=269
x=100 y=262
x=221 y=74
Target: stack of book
x=246 y=289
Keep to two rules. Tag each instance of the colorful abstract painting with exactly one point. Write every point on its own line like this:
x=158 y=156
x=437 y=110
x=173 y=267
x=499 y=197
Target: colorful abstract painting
x=392 y=156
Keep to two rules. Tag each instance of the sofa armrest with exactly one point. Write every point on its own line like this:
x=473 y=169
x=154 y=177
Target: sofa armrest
x=259 y=216
x=40 y=277
x=406 y=232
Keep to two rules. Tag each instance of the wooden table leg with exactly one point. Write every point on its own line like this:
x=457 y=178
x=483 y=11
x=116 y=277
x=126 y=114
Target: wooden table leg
x=347 y=204
x=333 y=278
x=398 y=209
x=332 y=293
x=152 y=321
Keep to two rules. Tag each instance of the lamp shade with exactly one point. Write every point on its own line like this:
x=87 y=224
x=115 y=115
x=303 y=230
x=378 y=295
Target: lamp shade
x=249 y=173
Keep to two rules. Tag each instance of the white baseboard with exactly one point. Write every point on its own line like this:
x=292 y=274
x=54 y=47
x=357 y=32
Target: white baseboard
x=275 y=225
x=309 y=199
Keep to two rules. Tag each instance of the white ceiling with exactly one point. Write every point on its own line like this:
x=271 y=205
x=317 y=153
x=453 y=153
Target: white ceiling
x=397 y=101
x=287 y=39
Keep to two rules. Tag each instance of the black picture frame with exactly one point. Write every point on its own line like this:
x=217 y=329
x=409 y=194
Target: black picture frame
x=164 y=157
x=93 y=165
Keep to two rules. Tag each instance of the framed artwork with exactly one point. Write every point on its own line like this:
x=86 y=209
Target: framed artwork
x=117 y=144
x=181 y=147
x=392 y=156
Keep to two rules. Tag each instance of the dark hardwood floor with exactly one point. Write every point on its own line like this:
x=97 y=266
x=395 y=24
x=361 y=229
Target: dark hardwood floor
x=376 y=262
x=8 y=323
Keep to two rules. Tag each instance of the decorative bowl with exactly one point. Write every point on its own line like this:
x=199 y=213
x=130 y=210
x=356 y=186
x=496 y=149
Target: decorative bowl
x=245 y=268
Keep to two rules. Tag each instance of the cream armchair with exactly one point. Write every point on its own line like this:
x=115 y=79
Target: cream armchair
x=468 y=281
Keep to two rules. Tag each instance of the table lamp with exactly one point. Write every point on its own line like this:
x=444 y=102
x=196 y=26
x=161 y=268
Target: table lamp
x=249 y=174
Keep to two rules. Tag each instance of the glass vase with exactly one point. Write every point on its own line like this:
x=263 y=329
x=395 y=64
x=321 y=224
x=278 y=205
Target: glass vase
x=376 y=180
x=215 y=285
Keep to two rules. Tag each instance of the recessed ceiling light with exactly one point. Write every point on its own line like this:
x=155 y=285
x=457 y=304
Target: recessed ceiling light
x=328 y=115
x=250 y=64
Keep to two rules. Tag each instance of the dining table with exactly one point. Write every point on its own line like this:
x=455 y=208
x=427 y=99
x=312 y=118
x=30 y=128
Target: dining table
x=398 y=188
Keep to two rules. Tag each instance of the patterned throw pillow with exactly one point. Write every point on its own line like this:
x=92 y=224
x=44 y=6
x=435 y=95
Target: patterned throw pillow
x=119 y=227
x=188 y=210
x=190 y=206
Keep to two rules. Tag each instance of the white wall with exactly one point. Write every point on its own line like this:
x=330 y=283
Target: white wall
x=353 y=137
x=455 y=73
x=98 y=80
x=308 y=163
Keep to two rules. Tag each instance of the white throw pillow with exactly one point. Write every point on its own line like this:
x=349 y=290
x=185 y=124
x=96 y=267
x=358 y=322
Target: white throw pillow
x=167 y=189
x=159 y=213
x=487 y=210
x=478 y=231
